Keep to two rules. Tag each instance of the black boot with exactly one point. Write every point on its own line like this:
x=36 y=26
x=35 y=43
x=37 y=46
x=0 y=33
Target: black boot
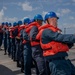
x=5 y=53
x=18 y=64
x=22 y=70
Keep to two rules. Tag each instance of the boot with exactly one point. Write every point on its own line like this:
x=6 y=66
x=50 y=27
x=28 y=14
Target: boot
x=18 y=64
x=5 y=53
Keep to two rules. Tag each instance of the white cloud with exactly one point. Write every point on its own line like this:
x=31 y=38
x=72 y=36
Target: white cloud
x=4 y=8
x=71 y=26
x=4 y=19
x=26 y=6
x=63 y=11
x=67 y=25
x=58 y=14
x=7 y=19
x=44 y=13
x=73 y=0
x=1 y=15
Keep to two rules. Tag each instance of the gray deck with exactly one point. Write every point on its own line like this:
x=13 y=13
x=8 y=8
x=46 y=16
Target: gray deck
x=8 y=67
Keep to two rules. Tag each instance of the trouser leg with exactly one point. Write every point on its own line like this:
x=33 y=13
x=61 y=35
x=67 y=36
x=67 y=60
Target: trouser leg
x=59 y=67
x=27 y=59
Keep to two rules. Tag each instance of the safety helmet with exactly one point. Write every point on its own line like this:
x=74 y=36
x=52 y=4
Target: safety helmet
x=3 y=23
x=9 y=24
x=6 y=23
x=14 y=24
x=26 y=20
x=38 y=17
x=19 y=22
x=50 y=15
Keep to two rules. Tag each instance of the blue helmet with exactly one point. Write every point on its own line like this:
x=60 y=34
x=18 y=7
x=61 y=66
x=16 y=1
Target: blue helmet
x=26 y=20
x=9 y=24
x=6 y=23
x=14 y=24
x=3 y=23
x=38 y=17
x=19 y=22
x=50 y=15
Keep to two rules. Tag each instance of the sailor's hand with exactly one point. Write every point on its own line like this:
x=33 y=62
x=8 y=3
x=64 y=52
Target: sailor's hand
x=17 y=37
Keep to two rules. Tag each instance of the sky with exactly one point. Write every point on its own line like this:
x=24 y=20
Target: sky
x=15 y=10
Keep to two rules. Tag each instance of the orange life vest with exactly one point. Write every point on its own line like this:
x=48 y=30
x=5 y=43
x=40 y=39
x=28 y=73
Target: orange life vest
x=19 y=29
x=53 y=47
x=11 y=30
x=28 y=28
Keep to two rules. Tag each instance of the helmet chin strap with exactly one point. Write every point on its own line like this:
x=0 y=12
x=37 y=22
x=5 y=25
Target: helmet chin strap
x=48 y=21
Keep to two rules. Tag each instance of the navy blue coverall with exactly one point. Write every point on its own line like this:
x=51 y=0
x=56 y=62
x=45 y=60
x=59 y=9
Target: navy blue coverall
x=27 y=55
x=1 y=37
x=5 y=41
x=37 y=54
